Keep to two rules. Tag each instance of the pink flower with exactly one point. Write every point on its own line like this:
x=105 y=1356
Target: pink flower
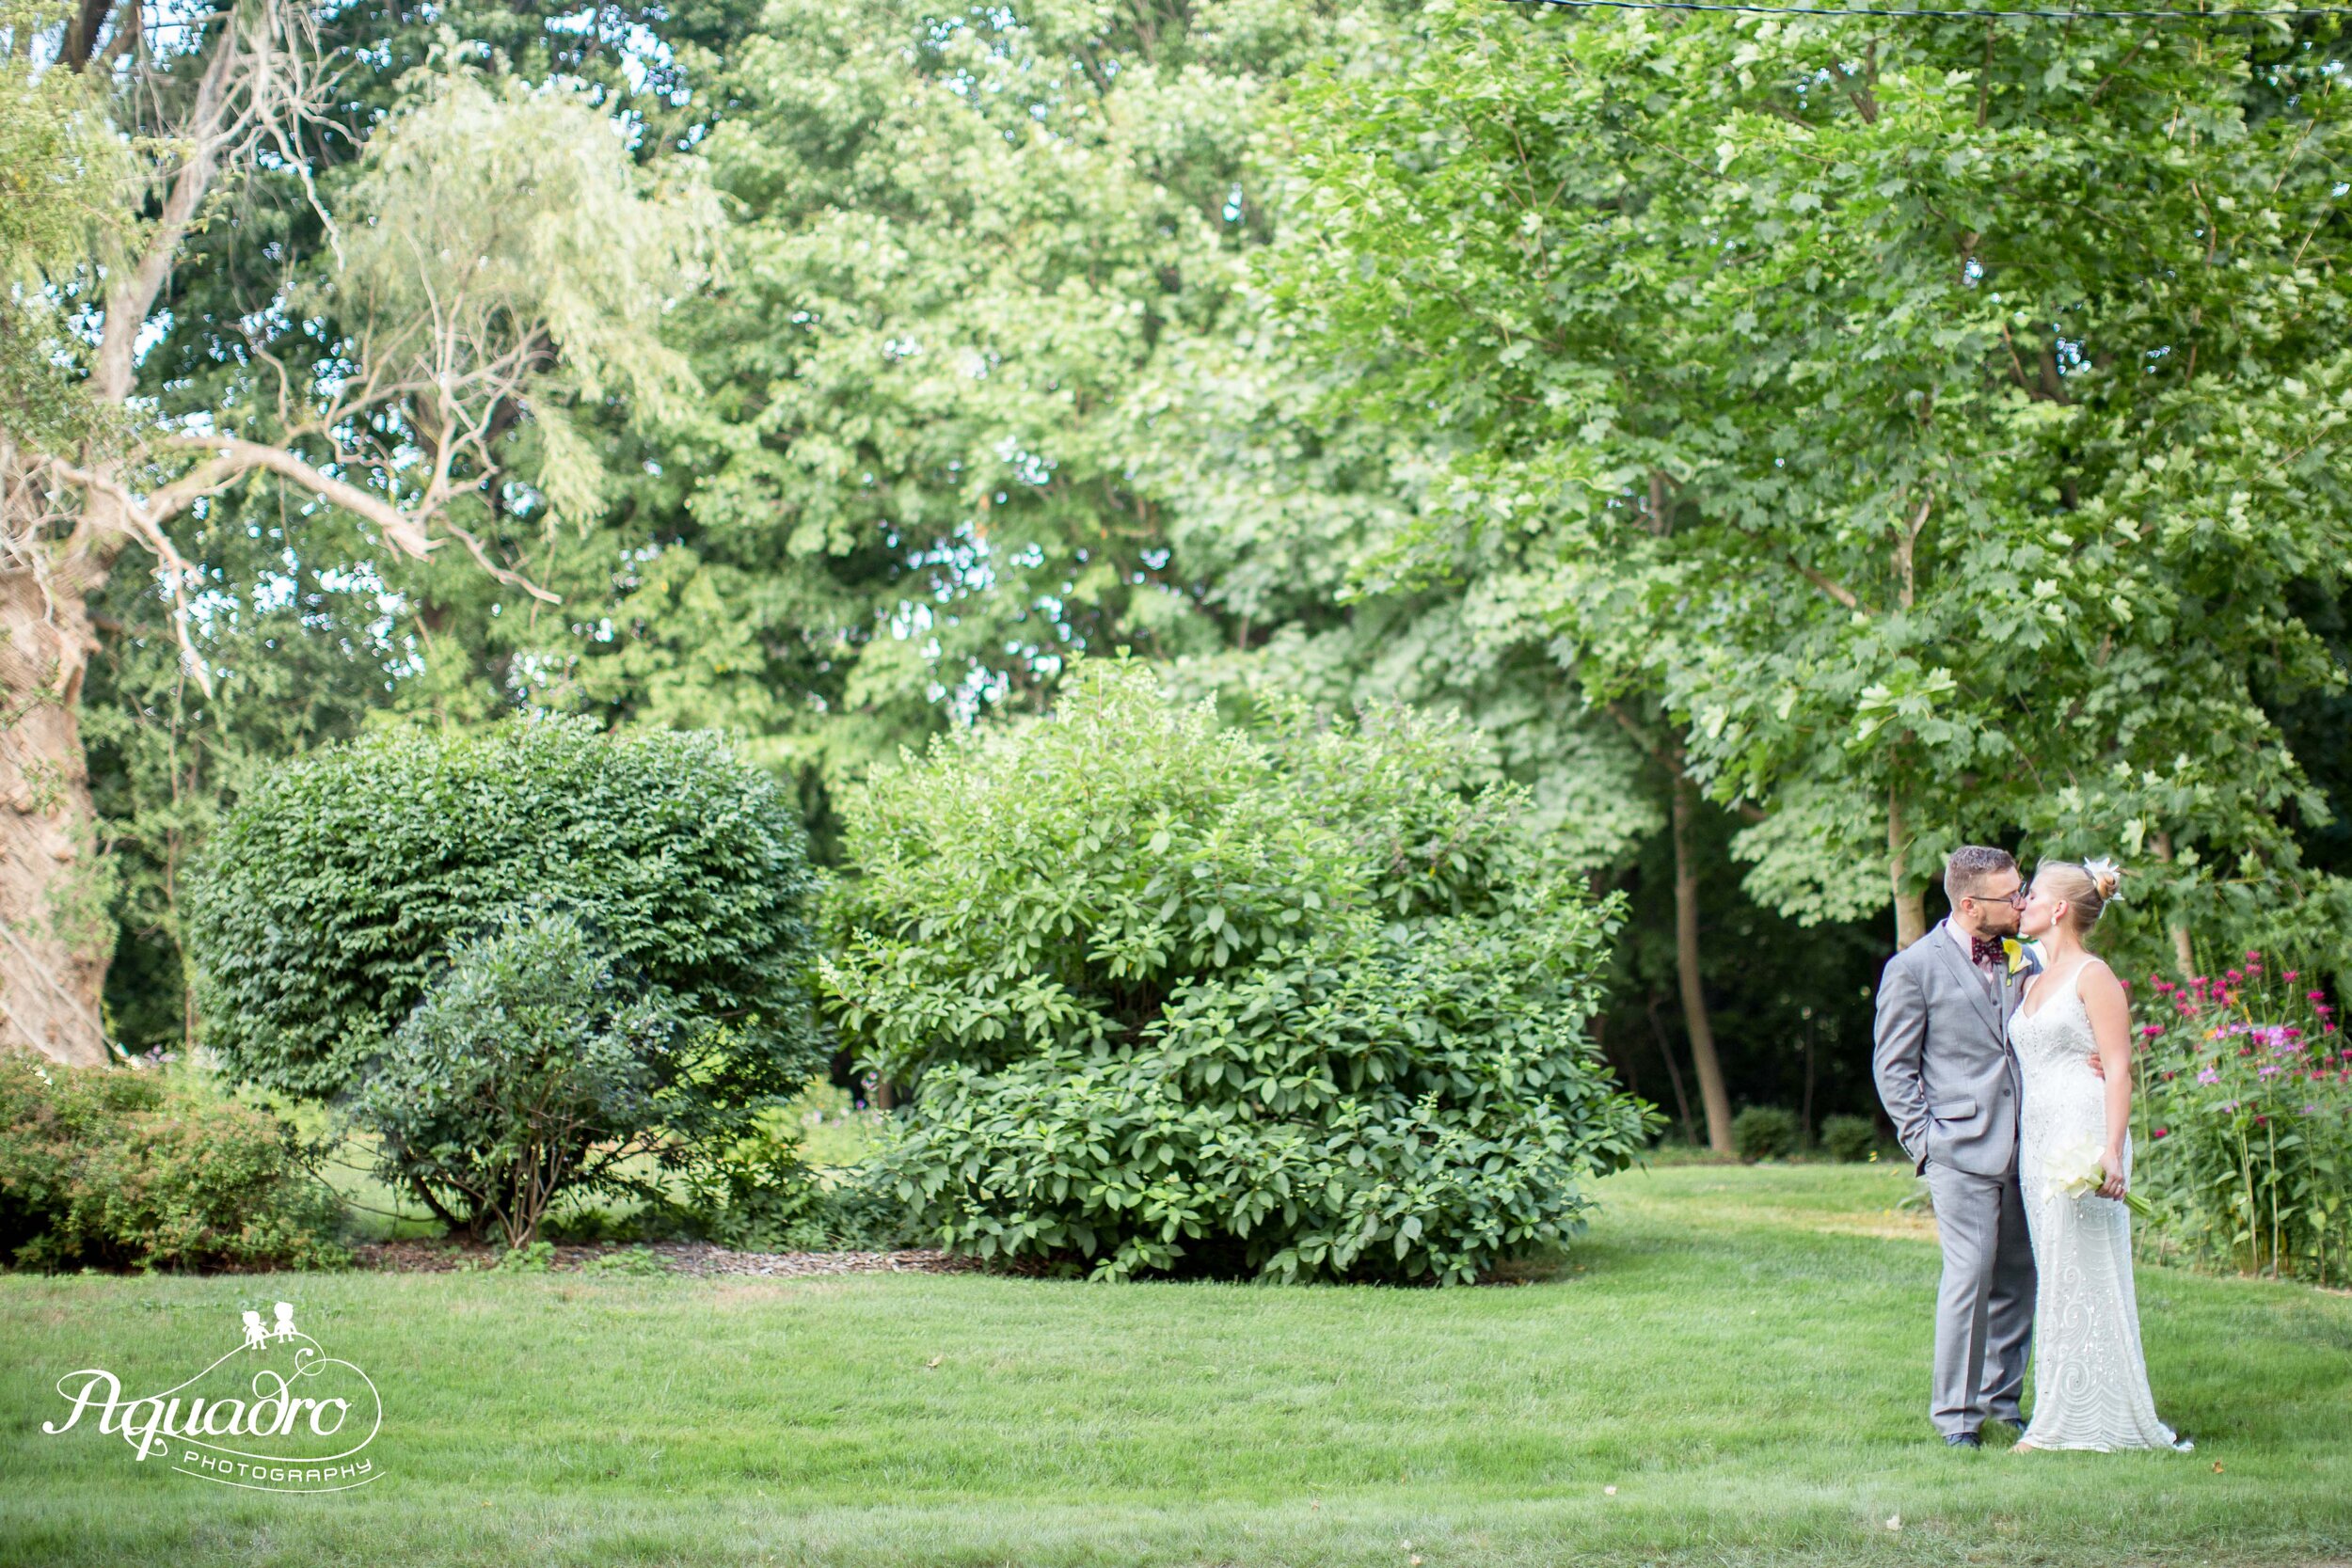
x=2314 y=996
x=2291 y=976
x=2253 y=955
x=2151 y=1030
x=2209 y=1076
x=2162 y=1132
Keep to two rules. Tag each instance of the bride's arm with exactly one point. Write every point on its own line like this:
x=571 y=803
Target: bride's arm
x=2111 y=1031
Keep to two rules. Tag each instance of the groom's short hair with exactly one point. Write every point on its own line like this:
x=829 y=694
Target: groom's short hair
x=1967 y=868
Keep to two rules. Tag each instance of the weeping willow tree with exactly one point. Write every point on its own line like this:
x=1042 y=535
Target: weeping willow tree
x=492 y=264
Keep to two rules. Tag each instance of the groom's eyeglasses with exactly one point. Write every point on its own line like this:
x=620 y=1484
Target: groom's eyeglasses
x=2016 y=899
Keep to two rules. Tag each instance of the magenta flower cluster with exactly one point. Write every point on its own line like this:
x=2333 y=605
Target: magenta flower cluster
x=2249 y=1094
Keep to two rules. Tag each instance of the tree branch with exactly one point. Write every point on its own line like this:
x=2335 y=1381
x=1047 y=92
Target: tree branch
x=1835 y=590
x=232 y=456
x=1905 y=549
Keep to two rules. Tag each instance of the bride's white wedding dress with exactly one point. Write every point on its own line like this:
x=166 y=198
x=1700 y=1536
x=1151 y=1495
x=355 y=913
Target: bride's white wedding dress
x=2090 y=1381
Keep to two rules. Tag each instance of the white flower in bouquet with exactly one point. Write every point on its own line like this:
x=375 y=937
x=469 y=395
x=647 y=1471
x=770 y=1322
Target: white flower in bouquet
x=2076 y=1170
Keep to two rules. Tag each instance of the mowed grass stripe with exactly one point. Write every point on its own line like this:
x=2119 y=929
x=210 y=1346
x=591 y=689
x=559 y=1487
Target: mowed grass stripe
x=1742 y=1354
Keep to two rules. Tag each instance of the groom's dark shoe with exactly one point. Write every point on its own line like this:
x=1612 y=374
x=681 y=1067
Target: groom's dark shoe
x=1963 y=1440
x=2014 y=1419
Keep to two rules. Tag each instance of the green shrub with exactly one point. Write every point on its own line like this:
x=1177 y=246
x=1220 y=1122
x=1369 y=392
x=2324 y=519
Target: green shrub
x=1764 y=1132
x=860 y=1210
x=760 y=1195
x=333 y=891
x=1172 y=995
x=2244 y=1137
x=1849 y=1138
x=112 y=1168
x=530 y=1072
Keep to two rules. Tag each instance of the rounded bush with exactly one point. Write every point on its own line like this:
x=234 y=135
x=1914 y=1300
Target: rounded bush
x=1308 y=1003
x=334 y=891
x=1764 y=1132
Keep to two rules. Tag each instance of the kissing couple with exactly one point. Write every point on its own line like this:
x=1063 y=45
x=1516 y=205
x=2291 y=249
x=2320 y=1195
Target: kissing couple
x=2007 y=1069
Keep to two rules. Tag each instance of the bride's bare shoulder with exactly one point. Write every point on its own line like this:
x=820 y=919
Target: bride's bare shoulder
x=2097 y=982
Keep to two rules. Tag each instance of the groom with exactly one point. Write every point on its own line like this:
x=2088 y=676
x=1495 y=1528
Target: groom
x=1946 y=1077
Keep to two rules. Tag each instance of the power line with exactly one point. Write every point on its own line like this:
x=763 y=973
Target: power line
x=1988 y=14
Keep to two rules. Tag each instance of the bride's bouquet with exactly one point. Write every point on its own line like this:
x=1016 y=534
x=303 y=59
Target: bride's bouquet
x=2076 y=1170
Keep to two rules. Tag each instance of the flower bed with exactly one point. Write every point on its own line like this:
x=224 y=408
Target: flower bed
x=2247 y=1122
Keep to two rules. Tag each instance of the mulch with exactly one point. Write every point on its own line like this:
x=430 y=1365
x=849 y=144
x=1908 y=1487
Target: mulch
x=684 y=1257
x=700 y=1259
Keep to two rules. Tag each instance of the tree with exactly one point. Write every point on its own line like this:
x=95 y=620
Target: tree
x=978 y=312
x=306 y=627
x=56 y=164
x=416 y=373
x=1934 y=414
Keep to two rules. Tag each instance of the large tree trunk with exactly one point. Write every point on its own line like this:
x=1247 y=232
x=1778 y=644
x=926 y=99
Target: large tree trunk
x=1911 y=917
x=1712 y=1094
x=1911 y=906
x=58 y=933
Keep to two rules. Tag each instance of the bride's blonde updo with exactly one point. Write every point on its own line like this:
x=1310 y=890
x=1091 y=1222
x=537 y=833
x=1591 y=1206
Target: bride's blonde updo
x=2088 y=887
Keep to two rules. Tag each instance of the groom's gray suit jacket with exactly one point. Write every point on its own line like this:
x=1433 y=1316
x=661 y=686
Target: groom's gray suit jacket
x=1944 y=1067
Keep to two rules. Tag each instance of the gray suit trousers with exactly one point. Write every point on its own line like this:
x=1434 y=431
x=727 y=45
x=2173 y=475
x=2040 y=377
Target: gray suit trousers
x=1985 y=1306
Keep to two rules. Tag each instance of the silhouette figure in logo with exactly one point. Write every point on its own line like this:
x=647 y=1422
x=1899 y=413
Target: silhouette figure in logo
x=285 y=1321
x=256 y=1336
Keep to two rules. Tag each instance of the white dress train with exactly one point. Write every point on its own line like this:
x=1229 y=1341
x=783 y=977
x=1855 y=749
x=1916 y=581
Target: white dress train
x=2090 y=1380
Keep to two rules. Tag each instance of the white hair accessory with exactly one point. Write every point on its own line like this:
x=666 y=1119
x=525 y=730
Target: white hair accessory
x=2106 y=877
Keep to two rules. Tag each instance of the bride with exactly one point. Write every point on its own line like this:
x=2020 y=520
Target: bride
x=2091 y=1383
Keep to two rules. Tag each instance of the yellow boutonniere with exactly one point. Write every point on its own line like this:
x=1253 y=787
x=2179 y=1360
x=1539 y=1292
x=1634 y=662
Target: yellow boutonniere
x=2016 y=951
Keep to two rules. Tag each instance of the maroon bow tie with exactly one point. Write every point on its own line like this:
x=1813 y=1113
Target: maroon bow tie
x=1986 y=950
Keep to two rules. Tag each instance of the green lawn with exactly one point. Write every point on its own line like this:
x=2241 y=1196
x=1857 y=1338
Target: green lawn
x=1742 y=1357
